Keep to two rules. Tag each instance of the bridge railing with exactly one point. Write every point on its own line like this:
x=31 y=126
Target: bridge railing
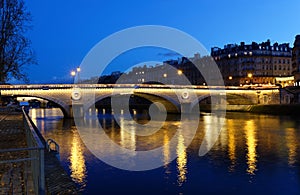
x=138 y=85
x=24 y=166
x=36 y=153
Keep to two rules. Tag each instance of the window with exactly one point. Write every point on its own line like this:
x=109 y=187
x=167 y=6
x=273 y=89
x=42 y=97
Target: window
x=275 y=67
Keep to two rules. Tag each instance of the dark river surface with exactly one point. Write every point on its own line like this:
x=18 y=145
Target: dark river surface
x=253 y=154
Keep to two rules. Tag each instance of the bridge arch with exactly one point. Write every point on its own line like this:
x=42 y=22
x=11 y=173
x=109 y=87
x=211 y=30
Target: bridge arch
x=65 y=108
x=170 y=104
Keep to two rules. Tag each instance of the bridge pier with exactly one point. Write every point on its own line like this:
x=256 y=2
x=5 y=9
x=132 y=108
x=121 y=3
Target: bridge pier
x=76 y=111
x=186 y=108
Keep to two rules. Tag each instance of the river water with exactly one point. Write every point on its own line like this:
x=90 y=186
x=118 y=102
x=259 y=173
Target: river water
x=253 y=154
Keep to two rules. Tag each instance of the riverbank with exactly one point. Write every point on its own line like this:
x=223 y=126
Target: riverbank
x=273 y=109
x=15 y=174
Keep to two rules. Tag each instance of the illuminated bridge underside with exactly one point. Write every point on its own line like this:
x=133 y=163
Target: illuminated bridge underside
x=171 y=98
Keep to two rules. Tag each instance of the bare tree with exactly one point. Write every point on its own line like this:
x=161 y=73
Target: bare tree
x=15 y=48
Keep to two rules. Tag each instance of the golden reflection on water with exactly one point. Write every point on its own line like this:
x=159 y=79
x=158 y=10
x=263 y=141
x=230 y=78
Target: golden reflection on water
x=291 y=143
x=166 y=150
x=77 y=160
x=127 y=134
x=231 y=144
x=33 y=116
x=251 y=143
x=181 y=160
x=211 y=129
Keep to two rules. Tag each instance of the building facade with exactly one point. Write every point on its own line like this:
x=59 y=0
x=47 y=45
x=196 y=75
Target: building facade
x=256 y=63
x=296 y=60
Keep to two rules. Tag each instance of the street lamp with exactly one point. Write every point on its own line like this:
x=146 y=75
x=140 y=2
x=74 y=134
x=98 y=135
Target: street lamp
x=250 y=77
x=73 y=73
x=78 y=71
x=179 y=72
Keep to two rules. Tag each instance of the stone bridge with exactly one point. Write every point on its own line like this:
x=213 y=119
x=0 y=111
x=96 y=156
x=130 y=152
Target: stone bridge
x=174 y=98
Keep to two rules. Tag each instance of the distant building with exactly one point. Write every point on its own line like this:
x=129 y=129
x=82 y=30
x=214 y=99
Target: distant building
x=169 y=72
x=296 y=60
x=110 y=79
x=256 y=63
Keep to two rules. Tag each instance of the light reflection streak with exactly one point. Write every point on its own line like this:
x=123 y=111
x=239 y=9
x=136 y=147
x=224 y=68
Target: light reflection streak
x=42 y=129
x=212 y=125
x=291 y=143
x=127 y=134
x=231 y=145
x=251 y=142
x=77 y=160
x=166 y=154
x=33 y=116
x=181 y=160
x=166 y=150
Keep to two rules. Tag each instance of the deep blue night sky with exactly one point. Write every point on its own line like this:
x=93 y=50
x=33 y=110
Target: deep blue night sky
x=64 y=31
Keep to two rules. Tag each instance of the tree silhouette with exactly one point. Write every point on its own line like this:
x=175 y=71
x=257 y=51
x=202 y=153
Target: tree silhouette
x=15 y=48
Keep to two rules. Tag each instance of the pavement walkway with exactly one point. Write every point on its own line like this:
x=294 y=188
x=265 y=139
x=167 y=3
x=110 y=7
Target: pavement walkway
x=15 y=177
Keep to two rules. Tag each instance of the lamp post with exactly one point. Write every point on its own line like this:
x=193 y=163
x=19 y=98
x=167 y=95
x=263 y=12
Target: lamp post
x=250 y=77
x=230 y=79
x=78 y=73
x=73 y=74
x=179 y=72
